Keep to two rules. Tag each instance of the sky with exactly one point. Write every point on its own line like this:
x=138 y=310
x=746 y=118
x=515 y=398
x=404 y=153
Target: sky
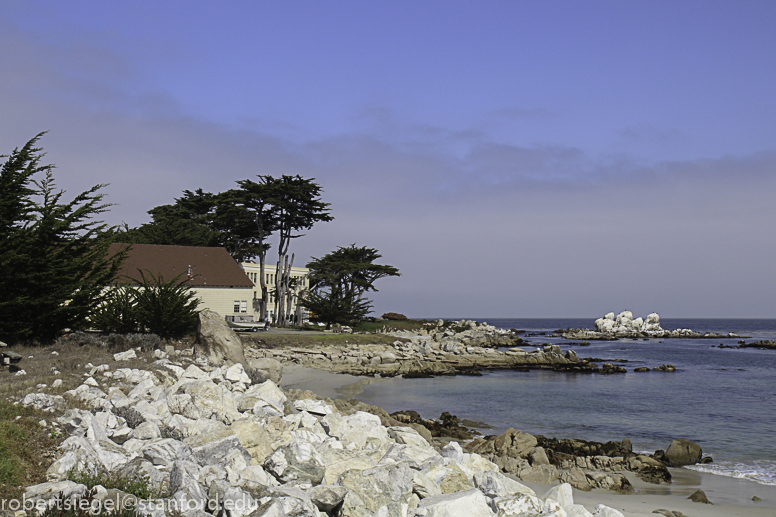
x=511 y=158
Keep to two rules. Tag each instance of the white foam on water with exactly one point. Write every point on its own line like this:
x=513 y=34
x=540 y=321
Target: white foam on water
x=759 y=471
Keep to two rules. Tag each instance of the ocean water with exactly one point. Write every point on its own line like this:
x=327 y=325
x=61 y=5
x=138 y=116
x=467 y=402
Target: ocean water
x=723 y=399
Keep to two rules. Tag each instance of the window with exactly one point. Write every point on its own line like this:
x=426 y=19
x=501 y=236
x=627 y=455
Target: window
x=237 y=306
x=244 y=306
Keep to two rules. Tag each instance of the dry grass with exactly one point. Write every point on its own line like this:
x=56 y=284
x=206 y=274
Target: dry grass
x=304 y=340
x=27 y=449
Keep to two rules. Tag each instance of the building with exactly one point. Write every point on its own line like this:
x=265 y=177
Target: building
x=299 y=282
x=221 y=284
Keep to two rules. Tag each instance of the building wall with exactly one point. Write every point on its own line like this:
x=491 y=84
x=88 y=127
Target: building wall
x=253 y=270
x=222 y=299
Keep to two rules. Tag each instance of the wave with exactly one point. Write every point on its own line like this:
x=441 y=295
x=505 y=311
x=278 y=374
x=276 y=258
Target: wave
x=760 y=471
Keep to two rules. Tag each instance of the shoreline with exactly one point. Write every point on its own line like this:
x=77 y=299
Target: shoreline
x=731 y=496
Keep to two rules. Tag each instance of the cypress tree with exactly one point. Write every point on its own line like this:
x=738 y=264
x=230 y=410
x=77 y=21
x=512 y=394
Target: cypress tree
x=53 y=253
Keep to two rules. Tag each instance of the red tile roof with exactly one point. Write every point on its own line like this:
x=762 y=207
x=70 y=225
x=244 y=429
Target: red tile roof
x=212 y=267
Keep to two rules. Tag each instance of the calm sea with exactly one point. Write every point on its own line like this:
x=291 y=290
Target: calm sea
x=722 y=399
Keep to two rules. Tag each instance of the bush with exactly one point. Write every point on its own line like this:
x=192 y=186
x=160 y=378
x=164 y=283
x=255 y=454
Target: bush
x=121 y=343
x=394 y=316
x=117 y=313
x=85 y=507
x=135 y=486
x=166 y=308
x=79 y=339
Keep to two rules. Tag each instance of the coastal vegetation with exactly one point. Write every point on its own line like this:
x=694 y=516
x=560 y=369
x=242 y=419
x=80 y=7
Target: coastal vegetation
x=53 y=251
x=338 y=282
x=242 y=220
x=54 y=255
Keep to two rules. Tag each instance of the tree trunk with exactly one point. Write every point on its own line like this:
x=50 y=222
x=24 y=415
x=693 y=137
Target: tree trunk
x=263 y=286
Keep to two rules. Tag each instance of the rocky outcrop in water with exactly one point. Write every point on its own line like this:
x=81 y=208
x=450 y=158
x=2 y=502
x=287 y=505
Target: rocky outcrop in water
x=625 y=326
x=464 y=349
x=585 y=465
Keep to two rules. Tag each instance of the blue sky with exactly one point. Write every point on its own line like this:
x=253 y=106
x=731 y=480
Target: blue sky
x=511 y=158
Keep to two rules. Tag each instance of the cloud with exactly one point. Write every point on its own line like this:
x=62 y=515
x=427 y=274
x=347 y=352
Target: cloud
x=479 y=227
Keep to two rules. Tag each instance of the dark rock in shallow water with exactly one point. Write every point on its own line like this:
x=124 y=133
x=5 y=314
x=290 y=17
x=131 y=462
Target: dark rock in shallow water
x=449 y=425
x=641 y=369
x=610 y=368
x=763 y=345
x=683 y=452
x=665 y=368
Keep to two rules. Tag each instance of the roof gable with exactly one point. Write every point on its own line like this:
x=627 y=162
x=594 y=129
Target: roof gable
x=212 y=267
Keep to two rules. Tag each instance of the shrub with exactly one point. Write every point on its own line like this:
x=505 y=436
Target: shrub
x=135 y=486
x=394 y=316
x=79 y=339
x=166 y=308
x=121 y=343
x=84 y=507
x=117 y=313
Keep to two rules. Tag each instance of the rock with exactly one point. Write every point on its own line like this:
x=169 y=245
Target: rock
x=683 y=452
x=546 y=474
x=184 y=485
x=518 y=506
x=140 y=468
x=314 y=407
x=266 y=395
x=496 y=484
x=424 y=486
x=327 y=497
x=605 y=511
x=236 y=373
x=254 y=438
x=147 y=431
x=216 y=342
x=212 y=448
x=538 y=456
x=453 y=451
x=272 y=368
x=166 y=451
x=125 y=356
x=699 y=496
x=387 y=486
x=470 y=503
x=562 y=494
x=297 y=463
x=43 y=401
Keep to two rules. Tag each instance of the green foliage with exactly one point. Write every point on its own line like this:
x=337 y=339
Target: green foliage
x=87 y=506
x=118 y=313
x=394 y=316
x=333 y=306
x=135 y=486
x=339 y=280
x=12 y=438
x=167 y=308
x=53 y=254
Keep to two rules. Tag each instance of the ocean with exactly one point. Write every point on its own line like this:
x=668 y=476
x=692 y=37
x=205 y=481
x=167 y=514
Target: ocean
x=723 y=399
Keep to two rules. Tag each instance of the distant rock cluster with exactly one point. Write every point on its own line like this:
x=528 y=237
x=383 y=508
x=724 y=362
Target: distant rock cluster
x=625 y=326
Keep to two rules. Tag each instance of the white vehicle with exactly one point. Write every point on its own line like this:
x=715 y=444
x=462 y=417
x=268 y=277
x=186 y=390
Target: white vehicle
x=241 y=323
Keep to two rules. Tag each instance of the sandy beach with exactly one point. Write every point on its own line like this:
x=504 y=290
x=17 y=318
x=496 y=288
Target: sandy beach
x=731 y=497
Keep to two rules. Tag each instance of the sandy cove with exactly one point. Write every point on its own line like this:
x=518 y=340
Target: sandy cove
x=731 y=497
